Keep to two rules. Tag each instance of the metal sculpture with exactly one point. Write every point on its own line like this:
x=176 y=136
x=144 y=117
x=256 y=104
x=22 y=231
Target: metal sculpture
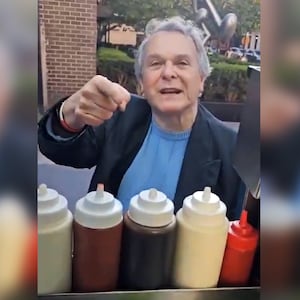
x=205 y=11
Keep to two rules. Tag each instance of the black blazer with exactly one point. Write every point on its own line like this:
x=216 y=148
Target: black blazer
x=112 y=147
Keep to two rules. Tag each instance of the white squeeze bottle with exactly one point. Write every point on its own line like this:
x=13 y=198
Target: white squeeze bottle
x=54 y=242
x=202 y=229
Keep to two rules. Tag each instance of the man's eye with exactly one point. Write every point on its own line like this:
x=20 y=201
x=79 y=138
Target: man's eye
x=183 y=63
x=155 y=63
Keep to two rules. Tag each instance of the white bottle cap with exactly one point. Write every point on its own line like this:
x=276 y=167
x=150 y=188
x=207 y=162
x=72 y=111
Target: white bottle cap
x=151 y=208
x=98 y=210
x=52 y=207
x=204 y=208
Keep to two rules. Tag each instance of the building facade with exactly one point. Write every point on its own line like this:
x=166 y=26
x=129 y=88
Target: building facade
x=67 y=40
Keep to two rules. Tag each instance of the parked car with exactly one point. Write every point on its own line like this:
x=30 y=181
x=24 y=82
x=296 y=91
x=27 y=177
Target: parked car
x=243 y=51
x=253 y=55
x=234 y=52
x=211 y=50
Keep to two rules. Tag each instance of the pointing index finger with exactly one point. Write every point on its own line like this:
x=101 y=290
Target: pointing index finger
x=114 y=91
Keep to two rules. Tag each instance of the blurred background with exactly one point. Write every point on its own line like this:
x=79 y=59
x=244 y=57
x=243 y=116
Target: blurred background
x=280 y=149
x=18 y=107
x=276 y=48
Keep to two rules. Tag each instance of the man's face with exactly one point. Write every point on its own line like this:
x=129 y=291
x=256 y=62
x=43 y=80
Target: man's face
x=171 y=79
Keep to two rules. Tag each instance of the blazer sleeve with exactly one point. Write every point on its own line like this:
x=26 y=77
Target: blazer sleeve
x=80 y=150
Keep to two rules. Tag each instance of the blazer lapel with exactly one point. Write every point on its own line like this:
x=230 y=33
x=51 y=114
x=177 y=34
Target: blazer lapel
x=130 y=145
x=200 y=168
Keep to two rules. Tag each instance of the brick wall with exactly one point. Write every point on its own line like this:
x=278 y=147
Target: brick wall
x=70 y=28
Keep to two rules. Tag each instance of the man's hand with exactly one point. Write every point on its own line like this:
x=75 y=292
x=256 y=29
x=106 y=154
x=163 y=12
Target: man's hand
x=95 y=103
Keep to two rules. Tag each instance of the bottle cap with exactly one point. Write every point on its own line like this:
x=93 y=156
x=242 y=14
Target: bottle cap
x=204 y=208
x=98 y=210
x=52 y=207
x=151 y=208
x=241 y=234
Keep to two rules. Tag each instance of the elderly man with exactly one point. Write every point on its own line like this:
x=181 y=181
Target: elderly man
x=167 y=141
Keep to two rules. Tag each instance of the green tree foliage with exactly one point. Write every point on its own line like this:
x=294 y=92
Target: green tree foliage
x=247 y=11
x=138 y=12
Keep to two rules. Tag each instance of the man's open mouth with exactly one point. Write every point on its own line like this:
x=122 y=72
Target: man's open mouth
x=170 y=91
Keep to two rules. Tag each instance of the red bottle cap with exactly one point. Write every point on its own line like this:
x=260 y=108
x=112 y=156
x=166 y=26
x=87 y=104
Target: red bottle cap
x=241 y=234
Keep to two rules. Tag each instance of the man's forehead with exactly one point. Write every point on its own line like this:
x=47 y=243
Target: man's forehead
x=157 y=43
x=161 y=35
x=175 y=55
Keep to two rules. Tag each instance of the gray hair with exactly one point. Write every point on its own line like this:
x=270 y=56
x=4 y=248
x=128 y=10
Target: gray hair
x=174 y=24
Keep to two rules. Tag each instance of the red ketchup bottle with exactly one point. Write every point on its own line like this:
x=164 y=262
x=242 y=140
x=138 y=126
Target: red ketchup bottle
x=238 y=258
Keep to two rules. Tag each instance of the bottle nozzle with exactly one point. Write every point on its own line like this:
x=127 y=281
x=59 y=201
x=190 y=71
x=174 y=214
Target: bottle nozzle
x=100 y=191
x=206 y=194
x=152 y=193
x=244 y=218
x=42 y=190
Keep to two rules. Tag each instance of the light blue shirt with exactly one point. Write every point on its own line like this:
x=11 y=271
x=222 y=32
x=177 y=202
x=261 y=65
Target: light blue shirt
x=157 y=164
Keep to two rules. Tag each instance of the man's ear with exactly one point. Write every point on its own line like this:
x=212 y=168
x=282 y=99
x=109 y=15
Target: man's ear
x=140 y=88
x=201 y=86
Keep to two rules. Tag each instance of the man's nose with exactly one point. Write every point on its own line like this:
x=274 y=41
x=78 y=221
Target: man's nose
x=168 y=71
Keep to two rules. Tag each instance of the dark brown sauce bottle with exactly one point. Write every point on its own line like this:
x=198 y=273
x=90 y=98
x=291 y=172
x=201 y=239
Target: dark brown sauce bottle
x=148 y=242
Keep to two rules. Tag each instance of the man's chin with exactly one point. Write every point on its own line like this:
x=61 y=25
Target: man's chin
x=170 y=109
